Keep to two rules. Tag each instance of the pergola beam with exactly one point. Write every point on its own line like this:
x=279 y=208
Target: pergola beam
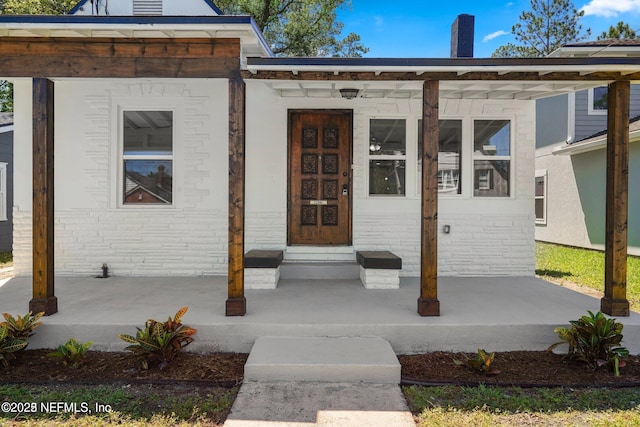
x=614 y=302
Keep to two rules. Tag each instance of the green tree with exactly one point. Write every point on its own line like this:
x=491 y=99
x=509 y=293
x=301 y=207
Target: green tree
x=6 y=96
x=36 y=7
x=549 y=25
x=620 y=31
x=299 y=27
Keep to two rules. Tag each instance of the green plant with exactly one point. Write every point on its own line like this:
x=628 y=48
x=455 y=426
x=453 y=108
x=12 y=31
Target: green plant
x=22 y=327
x=72 y=352
x=595 y=340
x=481 y=363
x=9 y=345
x=160 y=342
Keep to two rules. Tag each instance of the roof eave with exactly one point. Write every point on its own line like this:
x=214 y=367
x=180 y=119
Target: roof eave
x=590 y=145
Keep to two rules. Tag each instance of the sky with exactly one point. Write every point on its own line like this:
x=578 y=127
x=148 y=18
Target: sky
x=422 y=28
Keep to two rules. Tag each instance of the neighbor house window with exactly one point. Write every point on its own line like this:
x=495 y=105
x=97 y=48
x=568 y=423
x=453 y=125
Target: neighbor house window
x=598 y=98
x=147 y=158
x=3 y=192
x=541 y=197
x=449 y=155
x=387 y=156
x=491 y=158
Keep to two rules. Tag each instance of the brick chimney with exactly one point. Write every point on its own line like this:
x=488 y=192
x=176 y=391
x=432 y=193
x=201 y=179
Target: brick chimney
x=462 y=36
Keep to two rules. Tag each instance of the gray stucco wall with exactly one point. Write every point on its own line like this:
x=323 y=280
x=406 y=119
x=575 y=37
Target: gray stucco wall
x=6 y=156
x=551 y=120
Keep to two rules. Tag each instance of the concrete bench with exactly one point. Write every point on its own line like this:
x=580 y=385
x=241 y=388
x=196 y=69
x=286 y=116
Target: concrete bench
x=262 y=268
x=379 y=269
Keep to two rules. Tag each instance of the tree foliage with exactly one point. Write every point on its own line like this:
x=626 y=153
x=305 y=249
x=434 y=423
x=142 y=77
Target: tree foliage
x=549 y=25
x=36 y=7
x=299 y=27
x=6 y=96
x=620 y=31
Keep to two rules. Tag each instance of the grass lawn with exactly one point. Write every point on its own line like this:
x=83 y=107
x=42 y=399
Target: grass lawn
x=584 y=267
x=512 y=406
x=6 y=259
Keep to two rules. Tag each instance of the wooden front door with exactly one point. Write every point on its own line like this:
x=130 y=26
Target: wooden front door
x=320 y=177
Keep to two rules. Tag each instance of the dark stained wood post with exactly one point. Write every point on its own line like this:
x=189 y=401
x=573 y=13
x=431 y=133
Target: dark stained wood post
x=428 y=304
x=43 y=220
x=236 y=301
x=614 y=302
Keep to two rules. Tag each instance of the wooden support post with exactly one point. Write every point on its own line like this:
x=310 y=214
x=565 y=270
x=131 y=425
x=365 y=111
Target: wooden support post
x=428 y=304
x=614 y=302
x=236 y=302
x=43 y=222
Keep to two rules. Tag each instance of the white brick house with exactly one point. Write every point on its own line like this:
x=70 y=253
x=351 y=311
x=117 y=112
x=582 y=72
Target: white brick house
x=173 y=171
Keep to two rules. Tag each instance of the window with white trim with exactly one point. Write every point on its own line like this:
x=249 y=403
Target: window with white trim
x=541 y=197
x=492 y=158
x=598 y=99
x=3 y=192
x=387 y=156
x=449 y=155
x=147 y=156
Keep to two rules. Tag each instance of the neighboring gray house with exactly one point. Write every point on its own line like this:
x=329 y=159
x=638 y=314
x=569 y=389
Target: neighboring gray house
x=571 y=159
x=6 y=181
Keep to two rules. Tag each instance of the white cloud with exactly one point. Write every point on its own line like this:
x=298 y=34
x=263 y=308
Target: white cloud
x=378 y=22
x=609 y=8
x=494 y=35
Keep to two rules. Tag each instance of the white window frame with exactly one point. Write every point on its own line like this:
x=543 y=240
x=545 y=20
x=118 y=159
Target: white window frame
x=542 y=174
x=510 y=158
x=4 y=215
x=590 y=97
x=401 y=157
x=176 y=106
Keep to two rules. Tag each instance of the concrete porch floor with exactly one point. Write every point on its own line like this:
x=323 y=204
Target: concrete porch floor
x=495 y=313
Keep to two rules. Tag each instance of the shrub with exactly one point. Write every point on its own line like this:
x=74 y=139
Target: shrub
x=482 y=363
x=594 y=340
x=72 y=352
x=9 y=345
x=22 y=327
x=160 y=342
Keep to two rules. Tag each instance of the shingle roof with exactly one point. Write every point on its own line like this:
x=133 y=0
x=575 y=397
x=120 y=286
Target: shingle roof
x=606 y=42
x=6 y=119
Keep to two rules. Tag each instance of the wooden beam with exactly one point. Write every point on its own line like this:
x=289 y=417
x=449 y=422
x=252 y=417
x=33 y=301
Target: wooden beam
x=43 y=221
x=236 y=302
x=428 y=304
x=62 y=57
x=614 y=302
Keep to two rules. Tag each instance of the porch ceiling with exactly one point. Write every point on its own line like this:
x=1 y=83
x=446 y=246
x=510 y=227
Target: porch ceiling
x=468 y=89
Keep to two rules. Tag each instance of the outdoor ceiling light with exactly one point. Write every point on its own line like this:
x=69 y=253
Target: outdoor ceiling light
x=349 y=93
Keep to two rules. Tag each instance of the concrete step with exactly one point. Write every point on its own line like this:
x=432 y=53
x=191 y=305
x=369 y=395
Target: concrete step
x=327 y=270
x=320 y=253
x=321 y=359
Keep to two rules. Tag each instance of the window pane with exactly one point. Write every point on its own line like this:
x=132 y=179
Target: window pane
x=491 y=178
x=449 y=158
x=148 y=181
x=539 y=208
x=387 y=177
x=492 y=137
x=600 y=98
x=539 y=186
x=148 y=132
x=387 y=137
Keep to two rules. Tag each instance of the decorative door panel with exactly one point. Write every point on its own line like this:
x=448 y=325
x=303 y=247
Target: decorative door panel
x=320 y=144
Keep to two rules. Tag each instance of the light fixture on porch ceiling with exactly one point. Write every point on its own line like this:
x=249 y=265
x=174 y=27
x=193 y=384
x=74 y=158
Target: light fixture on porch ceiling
x=349 y=93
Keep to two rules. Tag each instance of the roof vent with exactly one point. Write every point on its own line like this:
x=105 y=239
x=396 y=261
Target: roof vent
x=147 y=7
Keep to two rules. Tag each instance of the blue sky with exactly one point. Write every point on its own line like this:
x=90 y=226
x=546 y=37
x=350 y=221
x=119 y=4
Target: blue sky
x=422 y=28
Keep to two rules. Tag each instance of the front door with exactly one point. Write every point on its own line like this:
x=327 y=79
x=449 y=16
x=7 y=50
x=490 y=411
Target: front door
x=320 y=177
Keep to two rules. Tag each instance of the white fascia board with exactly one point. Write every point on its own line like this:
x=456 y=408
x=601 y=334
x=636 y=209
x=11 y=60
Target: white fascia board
x=5 y=129
x=585 y=147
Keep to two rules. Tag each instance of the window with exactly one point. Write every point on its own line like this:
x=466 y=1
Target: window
x=541 y=197
x=387 y=156
x=598 y=99
x=147 y=158
x=3 y=192
x=449 y=155
x=491 y=158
